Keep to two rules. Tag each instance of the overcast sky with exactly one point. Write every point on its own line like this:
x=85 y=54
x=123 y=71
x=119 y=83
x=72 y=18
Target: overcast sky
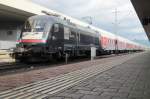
x=103 y=16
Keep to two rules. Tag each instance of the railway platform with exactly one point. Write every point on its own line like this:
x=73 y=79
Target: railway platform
x=129 y=80
x=122 y=77
x=5 y=57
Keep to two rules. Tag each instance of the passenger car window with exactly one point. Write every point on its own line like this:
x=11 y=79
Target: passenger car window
x=72 y=34
x=66 y=33
x=56 y=27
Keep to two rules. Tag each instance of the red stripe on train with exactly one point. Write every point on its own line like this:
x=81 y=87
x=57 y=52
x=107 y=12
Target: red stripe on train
x=31 y=41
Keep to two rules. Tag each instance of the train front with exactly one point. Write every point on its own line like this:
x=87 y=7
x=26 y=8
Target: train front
x=33 y=39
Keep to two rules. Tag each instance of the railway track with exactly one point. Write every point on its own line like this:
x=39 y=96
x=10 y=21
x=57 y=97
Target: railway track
x=45 y=88
x=6 y=67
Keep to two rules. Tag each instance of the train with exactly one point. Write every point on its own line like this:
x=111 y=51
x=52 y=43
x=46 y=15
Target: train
x=50 y=37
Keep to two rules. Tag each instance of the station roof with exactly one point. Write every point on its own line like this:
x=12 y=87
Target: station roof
x=18 y=10
x=142 y=8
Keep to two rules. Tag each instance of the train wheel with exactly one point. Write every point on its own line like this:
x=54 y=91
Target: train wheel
x=58 y=56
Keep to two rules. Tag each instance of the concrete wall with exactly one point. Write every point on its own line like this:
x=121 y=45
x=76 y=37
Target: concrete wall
x=4 y=45
x=8 y=38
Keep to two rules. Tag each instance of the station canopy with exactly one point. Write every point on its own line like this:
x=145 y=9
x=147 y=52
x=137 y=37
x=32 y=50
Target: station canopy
x=142 y=8
x=11 y=14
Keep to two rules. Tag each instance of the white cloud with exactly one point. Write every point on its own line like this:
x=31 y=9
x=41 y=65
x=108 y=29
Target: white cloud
x=137 y=30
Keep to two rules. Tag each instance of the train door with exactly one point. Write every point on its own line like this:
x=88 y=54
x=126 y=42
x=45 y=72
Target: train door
x=78 y=42
x=78 y=38
x=116 y=46
x=57 y=37
x=97 y=40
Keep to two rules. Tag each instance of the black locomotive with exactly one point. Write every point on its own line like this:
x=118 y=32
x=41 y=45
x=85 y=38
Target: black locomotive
x=45 y=37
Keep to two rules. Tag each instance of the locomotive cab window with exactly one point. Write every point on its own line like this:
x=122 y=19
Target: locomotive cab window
x=36 y=27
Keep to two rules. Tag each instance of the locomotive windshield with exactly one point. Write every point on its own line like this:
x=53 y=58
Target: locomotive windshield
x=36 y=28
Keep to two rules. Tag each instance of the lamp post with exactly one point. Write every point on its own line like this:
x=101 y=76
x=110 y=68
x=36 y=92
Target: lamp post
x=116 y=30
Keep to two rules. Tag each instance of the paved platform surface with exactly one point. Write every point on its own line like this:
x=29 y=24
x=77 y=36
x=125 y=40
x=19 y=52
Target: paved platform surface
x=22 y=78
x=130 y=80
